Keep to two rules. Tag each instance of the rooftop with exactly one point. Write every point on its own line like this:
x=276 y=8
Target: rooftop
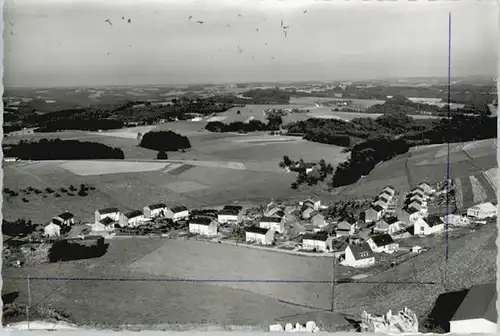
x=480 y=302
x=256 y=229
x=106 y=221
x=226 y=211
x=107 y=210
x=66 y=215
x=157 y=206
x=201 y=220
x=233 y=207
x=133 y=214
x=179 y=208
x=382 y=240
x=270 y=219
x=358 y=249
x=321 y=236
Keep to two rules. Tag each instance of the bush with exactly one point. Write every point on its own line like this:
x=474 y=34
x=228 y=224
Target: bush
x=64 y=250
x=162 y=155
x=164 y=141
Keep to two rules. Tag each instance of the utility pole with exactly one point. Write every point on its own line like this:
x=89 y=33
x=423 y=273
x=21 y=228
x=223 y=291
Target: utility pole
x=29 y=304
x=332 y=303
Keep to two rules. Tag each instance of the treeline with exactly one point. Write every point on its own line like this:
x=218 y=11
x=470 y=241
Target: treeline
x=273 y=124
x=164 y=141
x=83 y=124
x=58 y=149
x=18 y=228
x=65 y=250
x=365 y=156
x=268 y=96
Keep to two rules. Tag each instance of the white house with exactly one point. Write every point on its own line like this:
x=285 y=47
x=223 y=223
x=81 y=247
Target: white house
x=373 y=214
x=320 y=241
x=274 y=223
x=388 y=225
x=131 y=219
x=431 y=225
x=307 y=213
x=345 y=229
x=389 y=190
x=112 y=213
x=52 y=230
x=383 y=243
x=318 y=220
x=203 y=225
x=66 y=218
x=104 y=226
x=157 y=210
x=179 y=212
x=230 y=215
x=358 y=256
x=410 y=215
x=483 y=210
x=426 y=188
x=259 y=235
x=477 y=313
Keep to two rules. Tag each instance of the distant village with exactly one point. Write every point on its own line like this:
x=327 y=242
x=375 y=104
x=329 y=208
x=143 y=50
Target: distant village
x=303 y=228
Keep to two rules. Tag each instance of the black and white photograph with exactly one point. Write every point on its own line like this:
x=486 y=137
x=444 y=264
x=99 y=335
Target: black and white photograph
x=250 y=165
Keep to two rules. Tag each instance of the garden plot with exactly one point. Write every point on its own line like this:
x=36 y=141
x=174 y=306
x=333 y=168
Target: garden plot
x=479 y=194
x=459 y=196
x=86 y=168
x=492 y=176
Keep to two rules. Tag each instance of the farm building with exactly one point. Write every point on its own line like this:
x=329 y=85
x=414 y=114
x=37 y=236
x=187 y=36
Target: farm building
x=307 y=213
x=358 y=256
x=203 y=225
x=309 y=203
x=387 y=225
x=320 y=241
x=157 y=210
x=483 y=210
x=274 y=223
x=52 y=230
x=346 y=228
x=229 y=215
x=131 y=219
x=373 y=214
x=259 y=235
x=410 y=215
x=431 y=225
x=66 y=218
x=112 y=213
x=383 y=243
x=179 y=212
x=477 y=313
x=318 y=220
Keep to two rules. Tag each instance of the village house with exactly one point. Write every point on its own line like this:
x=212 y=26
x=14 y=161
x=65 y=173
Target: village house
x=52 y=230
x=309 y=203
x=65 y=219
x=389 y=190
x=229 y=215
x=318 y=220
x=426 y=188
x=157 y=210
x=274 y=211
x=430 y=225
x=205 y=226
x=259 y=235
x=482 y=211
x=276 y=224
x=358 y=256
x=307 y=213
x=417 y=192
x=104 y=226
x=321 y=242
x=477 y=313
x=384 y=198
x=132 y=219
x=381 y=203
x=179 y=212
x=388 y=225
x=373 y=213
x=383 y=243
x=409 y=215
x=345 y=229
x=112 y=213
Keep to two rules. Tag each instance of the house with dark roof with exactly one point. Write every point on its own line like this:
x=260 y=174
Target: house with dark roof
x=309 y=203
x=477 y=313
x=373 y=213
x=388 y=225
x=259 y=235
x=201 y=225
x=346 y=228
x=179 y=212
x=65 y=219
x=230 y=214
x=409 y=215
x=112 y=213
x=276 y=224
x=132 y=218
x=320 y=241
x=432 y=224
x=318 y=220
x=358 y=256
x=383 y=243
x=157 y=210
x=104 y=227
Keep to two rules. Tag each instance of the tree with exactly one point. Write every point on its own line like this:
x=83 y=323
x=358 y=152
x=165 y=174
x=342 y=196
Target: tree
x=162 y=155
x=287 y=161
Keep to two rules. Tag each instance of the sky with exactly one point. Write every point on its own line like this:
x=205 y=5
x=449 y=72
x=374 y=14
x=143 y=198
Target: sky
x=68 y=43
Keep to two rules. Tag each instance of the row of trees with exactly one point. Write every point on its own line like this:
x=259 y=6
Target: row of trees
x=273 y=124
x=81 y=124
x=57 y=149
x=65 y=250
